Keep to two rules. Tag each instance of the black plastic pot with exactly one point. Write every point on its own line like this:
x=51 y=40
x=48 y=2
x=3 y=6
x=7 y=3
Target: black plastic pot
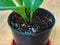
x=32 y=39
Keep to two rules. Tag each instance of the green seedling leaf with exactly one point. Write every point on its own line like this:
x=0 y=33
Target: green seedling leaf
x=9 y=7
x=5 y=4
x=21 y=11
x=20 y=2
x=32 y=5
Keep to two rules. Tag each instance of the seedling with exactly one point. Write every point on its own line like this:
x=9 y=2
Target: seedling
x=30 y=5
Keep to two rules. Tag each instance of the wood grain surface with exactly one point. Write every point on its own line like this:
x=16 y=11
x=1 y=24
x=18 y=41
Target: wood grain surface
x=52 y=5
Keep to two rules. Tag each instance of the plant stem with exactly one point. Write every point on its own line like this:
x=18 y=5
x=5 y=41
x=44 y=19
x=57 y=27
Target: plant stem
x=23 y=15
x=25 y=19
x=30 y=17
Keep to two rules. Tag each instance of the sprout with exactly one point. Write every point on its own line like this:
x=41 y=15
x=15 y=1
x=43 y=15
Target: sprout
x=30 y=5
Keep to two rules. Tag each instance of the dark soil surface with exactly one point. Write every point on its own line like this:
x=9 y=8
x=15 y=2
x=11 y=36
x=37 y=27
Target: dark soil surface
x=39 y=23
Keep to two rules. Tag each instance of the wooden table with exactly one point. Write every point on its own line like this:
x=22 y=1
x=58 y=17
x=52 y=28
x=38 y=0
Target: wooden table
x=51 y=5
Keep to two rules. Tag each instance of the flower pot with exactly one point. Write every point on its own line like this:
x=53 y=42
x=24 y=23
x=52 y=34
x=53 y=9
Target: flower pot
x=32 y=39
